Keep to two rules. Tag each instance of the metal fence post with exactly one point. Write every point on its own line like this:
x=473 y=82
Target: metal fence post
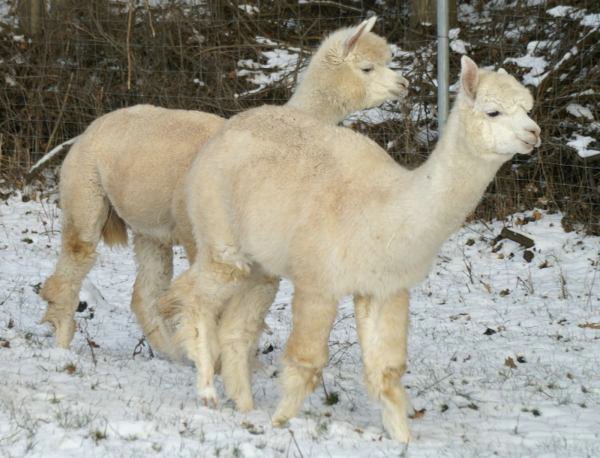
x=442 y=63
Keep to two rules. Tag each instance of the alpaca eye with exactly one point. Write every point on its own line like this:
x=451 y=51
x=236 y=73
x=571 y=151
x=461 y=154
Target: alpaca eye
x=367 y=69
x=493 y=114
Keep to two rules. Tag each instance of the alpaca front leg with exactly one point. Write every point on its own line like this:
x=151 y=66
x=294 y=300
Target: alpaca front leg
x=306 y=352
x=239 y=330
x=383 y=332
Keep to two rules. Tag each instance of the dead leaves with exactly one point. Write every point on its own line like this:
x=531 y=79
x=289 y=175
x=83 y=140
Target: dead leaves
x=510 y=362
x=589 y=325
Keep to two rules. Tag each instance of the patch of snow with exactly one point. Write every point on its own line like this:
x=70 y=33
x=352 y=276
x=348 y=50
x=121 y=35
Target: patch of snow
x=249 y=9
x=537 y=64
x=459 y=46
x=591 y=20
x=377 y=115
x=580 y=111
x=279 y=64
x=565 y=11
x=580 y=143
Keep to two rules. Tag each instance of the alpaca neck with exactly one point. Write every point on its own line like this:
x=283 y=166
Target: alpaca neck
x=452 y=181
x=321 y=105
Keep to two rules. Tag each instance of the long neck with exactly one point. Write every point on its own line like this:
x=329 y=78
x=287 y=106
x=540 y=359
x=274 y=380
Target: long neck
x=451 y=182
x=323 y=105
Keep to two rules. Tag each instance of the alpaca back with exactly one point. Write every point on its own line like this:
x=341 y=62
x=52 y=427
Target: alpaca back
x=140 y=155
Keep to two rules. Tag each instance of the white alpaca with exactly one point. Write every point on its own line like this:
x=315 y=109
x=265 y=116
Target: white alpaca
x=329 y=209
x=127 y=170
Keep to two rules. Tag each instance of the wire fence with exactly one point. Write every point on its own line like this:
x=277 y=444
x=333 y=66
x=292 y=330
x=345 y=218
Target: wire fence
x=73 y=61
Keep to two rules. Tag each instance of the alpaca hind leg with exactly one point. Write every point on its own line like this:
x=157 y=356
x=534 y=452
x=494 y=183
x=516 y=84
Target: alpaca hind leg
x=83 y=220
x=155 y=270
x=193 y=304
x=240 y=327
x=383 y=333
x=306 y=351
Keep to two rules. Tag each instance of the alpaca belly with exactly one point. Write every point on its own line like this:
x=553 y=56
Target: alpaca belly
x=143 y=204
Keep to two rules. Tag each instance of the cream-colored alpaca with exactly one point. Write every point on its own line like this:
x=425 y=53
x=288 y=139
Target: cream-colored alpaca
x=127 y=170
x=326 y=207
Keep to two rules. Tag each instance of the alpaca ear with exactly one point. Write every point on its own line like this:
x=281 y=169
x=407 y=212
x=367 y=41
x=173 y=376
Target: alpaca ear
x=469 y=76
x=364 y=27
x=502 y=71
x=370 y=24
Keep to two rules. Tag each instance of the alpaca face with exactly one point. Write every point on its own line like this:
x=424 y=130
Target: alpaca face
x=352 y=68
x=497 y=110
x=367 y=67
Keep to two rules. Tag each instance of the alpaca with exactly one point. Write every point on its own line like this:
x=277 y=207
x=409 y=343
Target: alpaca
x=127 y=170
x=332 y=211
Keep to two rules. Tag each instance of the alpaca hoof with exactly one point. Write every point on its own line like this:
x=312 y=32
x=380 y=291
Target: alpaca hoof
x=208 y=397
x=279 y=422
x=63 y=331
x=244 y=404
x=397 y=428
x=401 y=436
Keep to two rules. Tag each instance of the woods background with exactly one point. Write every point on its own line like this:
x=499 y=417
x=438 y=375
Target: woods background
x=63 y=63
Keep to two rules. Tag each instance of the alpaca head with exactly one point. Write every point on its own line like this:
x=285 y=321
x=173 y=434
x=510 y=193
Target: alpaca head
x=494 y=109
x=350 y=70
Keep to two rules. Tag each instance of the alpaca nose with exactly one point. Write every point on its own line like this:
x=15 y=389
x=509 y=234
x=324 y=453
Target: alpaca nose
x=535 y=131
x=403 y=82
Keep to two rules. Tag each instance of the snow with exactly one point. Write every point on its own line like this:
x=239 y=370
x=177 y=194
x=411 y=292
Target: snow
x=564 y=11
x=249 y=9
x=459 y=46
x=387 y=112
x=537 y=64
x=543 y=401
x=580 y=111
x=278 y=64
x=581 y=143
x=591 y=20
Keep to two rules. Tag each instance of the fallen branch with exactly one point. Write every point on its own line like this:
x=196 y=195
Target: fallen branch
x=515 y=237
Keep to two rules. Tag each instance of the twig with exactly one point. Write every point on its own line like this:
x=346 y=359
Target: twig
x=60 y=113
x=296 y=443
x=129 y=25
x=332 y=3
x=150 y=19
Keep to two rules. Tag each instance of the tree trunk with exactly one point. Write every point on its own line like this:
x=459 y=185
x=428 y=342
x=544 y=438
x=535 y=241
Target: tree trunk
x=424 y=12
x=31 y=16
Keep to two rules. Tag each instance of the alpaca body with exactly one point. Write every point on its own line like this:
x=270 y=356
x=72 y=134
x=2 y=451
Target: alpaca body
x=329 y=209
x=140 y=155
x=339 y=197
x=128 y=169
x=123 y=170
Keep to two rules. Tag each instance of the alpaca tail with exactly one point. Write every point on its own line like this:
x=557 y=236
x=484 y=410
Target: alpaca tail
x=49 y=155
x=114 y=232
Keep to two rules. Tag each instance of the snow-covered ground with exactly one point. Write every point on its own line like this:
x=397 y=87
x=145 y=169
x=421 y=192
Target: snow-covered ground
x=504 y=357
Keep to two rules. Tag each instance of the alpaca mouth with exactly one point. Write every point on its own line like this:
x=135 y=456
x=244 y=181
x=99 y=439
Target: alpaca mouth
x=401 y=92
x=530 y=145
